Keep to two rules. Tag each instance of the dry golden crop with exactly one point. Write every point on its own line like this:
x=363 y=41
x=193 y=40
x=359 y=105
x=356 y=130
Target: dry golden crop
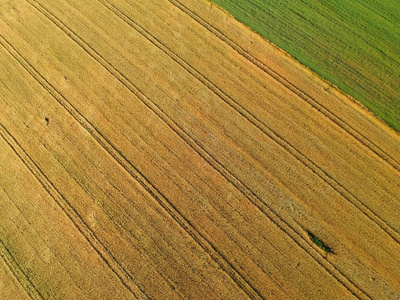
x=160 y=149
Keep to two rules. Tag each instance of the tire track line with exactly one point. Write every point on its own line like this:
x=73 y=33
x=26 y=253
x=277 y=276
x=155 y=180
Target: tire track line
x=328 y=179
x=18 y=273
x=56 y=256
x=251 y=196
x=73 y=215
x=206 y=245
x=294 y=89
x=123 y=231
x=272 y=216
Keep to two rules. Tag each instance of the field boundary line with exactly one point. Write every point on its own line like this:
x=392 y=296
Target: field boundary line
x=206 y=245
x=174 y=127
x=73 y=215
x=18 y=273
x=358 y=136
x=328 y=179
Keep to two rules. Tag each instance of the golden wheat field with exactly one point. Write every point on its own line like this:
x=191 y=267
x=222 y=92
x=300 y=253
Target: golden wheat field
x=162 y=150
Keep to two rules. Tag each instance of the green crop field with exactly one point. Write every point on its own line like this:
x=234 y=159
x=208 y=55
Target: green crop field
x=354 y=44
